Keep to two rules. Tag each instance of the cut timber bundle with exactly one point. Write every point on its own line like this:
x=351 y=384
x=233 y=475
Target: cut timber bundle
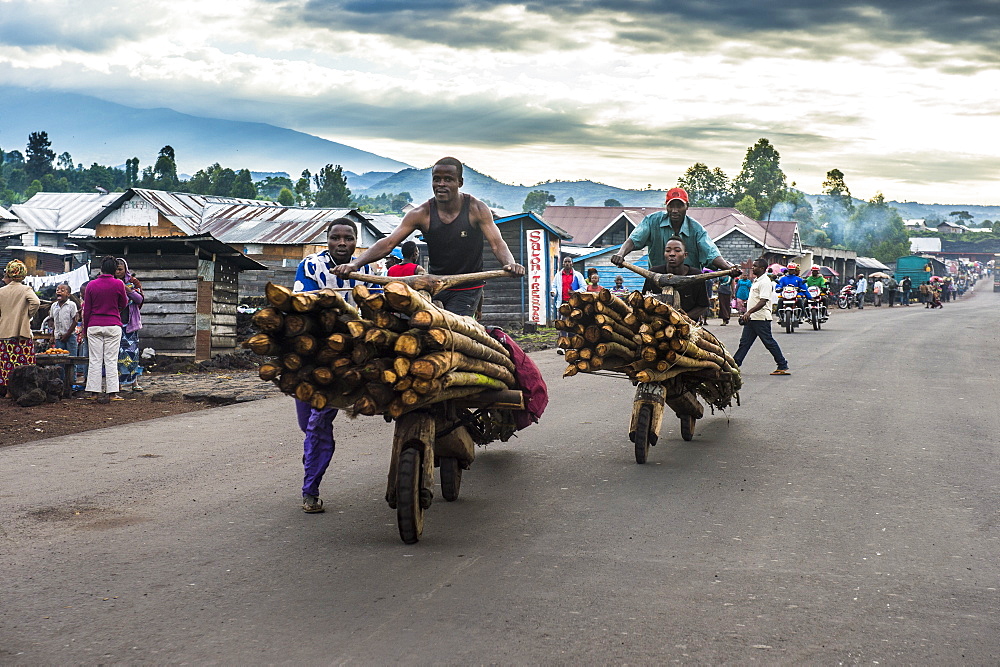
x=393 y=353
x=648 y=341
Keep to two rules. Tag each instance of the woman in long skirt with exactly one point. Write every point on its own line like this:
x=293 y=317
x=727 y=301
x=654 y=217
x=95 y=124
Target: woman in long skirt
x=18 y=303
x=128 y=353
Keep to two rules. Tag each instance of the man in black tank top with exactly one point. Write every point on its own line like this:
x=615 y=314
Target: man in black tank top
x=454 y=226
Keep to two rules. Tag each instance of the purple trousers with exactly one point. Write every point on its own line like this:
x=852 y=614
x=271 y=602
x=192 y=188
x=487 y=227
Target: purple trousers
x=318 y=446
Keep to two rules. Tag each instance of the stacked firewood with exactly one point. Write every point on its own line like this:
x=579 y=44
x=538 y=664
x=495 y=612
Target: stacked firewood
x=393 y=353
x=647 y=340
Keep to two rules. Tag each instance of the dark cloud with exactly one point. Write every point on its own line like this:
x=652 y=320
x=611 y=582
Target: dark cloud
x=669 y=24
x=78 y=28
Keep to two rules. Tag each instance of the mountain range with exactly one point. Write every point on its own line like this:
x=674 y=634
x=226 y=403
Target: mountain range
x=95 y=130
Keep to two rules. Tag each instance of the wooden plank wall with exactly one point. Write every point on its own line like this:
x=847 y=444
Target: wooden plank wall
x=170 y=284
x=225 y=298
x=502 y=301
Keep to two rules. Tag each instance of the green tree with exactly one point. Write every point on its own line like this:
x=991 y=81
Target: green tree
x=132 y=172
x=612 y=202
x=836 y=206
x=64 y=161
x=271 y=186
x=303 y=189
x=243 y=186
x=761 y=178
x=536 y=201
x=33 y=189
x=201 y=182
x=706 y=187
x=570 y=201
x=964 y=217
x=39 y=155
x=399 y=201
x=165 y=170
x=223 y=181
x=286 y=197
x=331 y=188
x=748 y=207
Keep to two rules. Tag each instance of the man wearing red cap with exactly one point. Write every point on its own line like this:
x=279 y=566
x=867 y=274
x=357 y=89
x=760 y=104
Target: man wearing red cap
x=654 y=230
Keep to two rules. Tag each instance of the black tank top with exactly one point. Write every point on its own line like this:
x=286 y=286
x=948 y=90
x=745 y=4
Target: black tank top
x=456 y=247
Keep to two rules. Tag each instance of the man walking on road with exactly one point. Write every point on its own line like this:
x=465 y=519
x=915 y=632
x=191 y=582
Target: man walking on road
x=757 y=320
x=906 y=285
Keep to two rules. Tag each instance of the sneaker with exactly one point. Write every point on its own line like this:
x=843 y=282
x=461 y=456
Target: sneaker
x=780 y=371
x=312 y=505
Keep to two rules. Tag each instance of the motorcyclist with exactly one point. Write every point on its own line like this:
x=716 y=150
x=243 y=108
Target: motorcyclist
x=791 y=277
x=816 y=279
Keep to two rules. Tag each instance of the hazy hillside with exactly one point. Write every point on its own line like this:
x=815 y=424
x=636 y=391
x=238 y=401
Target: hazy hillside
x=584 y=193
x=93 y=130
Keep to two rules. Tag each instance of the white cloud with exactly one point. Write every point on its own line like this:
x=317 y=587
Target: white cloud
x=579 y=104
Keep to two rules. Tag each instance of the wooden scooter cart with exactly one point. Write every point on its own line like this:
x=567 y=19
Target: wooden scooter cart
x=650 y=398
x=442 y=435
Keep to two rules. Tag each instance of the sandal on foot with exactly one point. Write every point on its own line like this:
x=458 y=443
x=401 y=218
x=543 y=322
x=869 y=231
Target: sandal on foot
x=312 y=505
x=780 y=371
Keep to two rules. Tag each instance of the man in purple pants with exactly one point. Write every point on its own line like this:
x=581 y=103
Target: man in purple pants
x=316 y=272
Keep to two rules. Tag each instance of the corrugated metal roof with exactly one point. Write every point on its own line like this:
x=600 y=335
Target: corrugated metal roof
x=62 y=211
x=233 y=220
x=6 y=215
x=46 y=250
x=585 y=223
x=871 y=263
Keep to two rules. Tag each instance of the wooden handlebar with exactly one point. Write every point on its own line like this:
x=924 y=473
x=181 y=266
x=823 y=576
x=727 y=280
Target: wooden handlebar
x=430 y=283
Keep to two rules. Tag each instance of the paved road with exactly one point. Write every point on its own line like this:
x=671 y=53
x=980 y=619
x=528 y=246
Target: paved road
x=847 y=513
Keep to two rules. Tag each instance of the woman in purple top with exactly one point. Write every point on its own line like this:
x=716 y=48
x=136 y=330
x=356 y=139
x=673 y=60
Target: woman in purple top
x=102 y=324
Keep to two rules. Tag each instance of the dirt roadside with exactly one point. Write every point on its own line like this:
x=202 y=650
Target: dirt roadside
x=166 y=394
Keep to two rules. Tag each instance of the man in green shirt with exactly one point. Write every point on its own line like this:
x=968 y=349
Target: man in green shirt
x=654 y=230
x=814 y=278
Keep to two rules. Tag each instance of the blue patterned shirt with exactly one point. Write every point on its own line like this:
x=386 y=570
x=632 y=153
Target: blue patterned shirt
x=316 y=272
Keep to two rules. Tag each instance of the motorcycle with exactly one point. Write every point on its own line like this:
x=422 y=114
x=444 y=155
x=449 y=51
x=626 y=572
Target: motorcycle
x=789 y=308
x=815 y=308
x=846 y=298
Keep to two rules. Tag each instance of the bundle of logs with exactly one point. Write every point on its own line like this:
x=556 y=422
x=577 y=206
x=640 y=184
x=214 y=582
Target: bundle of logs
x=647 y=340
x=393 y=353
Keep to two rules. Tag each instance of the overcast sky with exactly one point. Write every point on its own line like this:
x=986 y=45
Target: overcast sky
x=902 y=96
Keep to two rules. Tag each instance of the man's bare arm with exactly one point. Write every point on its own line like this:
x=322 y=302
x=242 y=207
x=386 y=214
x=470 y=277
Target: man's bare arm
x=619 y=257
x=484 y=219
x=382 y=247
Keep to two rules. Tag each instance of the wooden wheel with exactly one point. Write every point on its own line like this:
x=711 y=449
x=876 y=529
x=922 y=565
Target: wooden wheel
x=409 y=513
x=642 y=435
x=451 y=478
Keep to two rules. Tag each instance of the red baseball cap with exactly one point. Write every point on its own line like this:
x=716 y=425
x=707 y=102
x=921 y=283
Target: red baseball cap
x=676 y=193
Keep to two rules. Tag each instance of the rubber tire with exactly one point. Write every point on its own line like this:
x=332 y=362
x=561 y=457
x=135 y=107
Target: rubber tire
x=451 y=478
x=409 y=513
x=789 y=327
x=815 y=319
x=687 y=427
x=642 y=425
